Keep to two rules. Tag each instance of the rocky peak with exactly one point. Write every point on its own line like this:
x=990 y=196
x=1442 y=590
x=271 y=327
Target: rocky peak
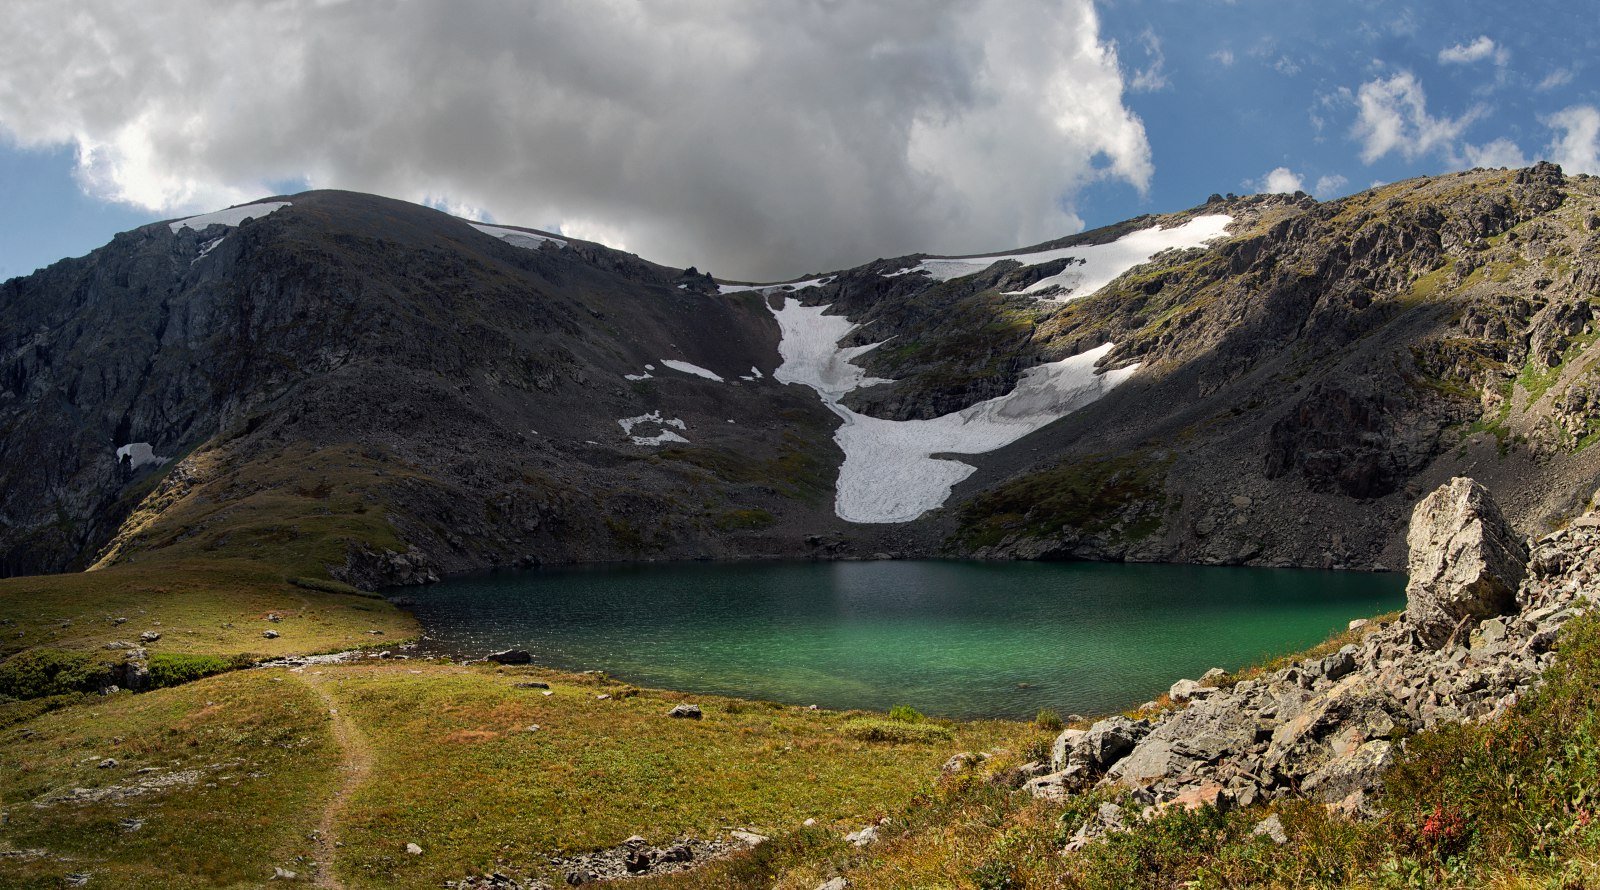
x=1466 y=562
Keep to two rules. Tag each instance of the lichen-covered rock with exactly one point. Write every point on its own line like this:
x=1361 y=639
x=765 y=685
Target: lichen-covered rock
x=1466 y=562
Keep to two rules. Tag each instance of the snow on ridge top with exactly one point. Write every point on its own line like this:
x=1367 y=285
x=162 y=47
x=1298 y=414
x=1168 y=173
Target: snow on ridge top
x=230 y=217
x=1097 y=264
x=889 y=472
x=769 y=288
x=696 y=370
x=517 y=237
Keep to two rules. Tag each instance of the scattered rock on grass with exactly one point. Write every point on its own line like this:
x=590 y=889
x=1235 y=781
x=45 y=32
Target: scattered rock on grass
x=1271 y=828
x=685 y=712
x=413 y=849
x=866 y=837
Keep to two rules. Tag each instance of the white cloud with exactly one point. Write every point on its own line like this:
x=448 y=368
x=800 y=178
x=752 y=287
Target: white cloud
x=1394 y=117
x=1557 y=78
x=1153 y=76
x=1280 y=180
x=1499 y=153
x=1223 y=57
x=1476 y=51
x=1577 y=147
x=751 y=139
x=1329 y=186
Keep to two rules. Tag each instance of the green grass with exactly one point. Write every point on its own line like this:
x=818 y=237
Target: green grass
x=215 y=607
x=456 y=772
x=453 y=769
x=264 y=764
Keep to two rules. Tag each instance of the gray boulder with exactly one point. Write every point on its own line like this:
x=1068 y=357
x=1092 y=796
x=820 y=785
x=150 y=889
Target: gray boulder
x=510 y=656
x=1466 y=562
x=1108 y=741
x=1154 y=759
x=1066 y=743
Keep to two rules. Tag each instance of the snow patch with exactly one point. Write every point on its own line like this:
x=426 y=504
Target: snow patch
x=230 y=217
x=654 y=418
x=517 y=237
x=139 y=454
x=755 y=374
x=889 y=472
x=1097 y=264
x=659 y=438
x=207 y=248
x=696 y=370
x=645 y=376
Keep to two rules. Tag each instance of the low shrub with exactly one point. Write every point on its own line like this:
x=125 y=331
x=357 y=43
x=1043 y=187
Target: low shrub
x=906 y=714
x=896 y=731
x=41 y=672
x=174 y=668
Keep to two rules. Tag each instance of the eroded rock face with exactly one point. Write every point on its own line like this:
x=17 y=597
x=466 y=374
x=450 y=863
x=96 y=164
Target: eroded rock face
x=1466 y=562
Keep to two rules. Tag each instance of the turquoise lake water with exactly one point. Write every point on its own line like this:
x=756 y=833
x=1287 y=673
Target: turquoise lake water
x=958 y=639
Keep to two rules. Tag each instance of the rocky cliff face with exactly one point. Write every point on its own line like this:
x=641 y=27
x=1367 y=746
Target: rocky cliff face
x=1327 y=727
x=1301 y=380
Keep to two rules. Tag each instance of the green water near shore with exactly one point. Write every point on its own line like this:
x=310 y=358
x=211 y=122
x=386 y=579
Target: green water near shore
x=958 y=639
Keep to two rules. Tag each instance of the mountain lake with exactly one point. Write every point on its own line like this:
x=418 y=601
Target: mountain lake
x=951 y=638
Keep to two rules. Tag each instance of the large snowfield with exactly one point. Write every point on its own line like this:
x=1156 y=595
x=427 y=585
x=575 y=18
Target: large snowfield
x=890 y=473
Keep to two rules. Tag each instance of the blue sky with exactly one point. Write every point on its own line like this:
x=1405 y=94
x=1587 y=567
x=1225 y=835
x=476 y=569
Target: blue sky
x=970 y=129
x=1244 y=88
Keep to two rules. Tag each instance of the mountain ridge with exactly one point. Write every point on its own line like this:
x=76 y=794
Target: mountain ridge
x=1300 y=380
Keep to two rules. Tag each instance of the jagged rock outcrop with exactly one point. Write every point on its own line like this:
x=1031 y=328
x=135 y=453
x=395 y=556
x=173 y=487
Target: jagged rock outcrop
x=1466 y=562
x=1328 y=727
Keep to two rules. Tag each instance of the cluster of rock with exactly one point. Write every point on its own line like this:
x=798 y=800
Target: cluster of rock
x=1480 y=623
x=635 y=857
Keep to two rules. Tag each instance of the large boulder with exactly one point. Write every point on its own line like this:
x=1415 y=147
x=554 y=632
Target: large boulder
x=1466 y=563
x=1107 y=741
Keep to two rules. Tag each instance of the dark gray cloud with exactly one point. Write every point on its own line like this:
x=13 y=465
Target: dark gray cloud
x=753 y=139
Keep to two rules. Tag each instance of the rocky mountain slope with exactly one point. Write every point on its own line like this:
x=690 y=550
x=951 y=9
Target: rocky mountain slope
x=407 y=394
